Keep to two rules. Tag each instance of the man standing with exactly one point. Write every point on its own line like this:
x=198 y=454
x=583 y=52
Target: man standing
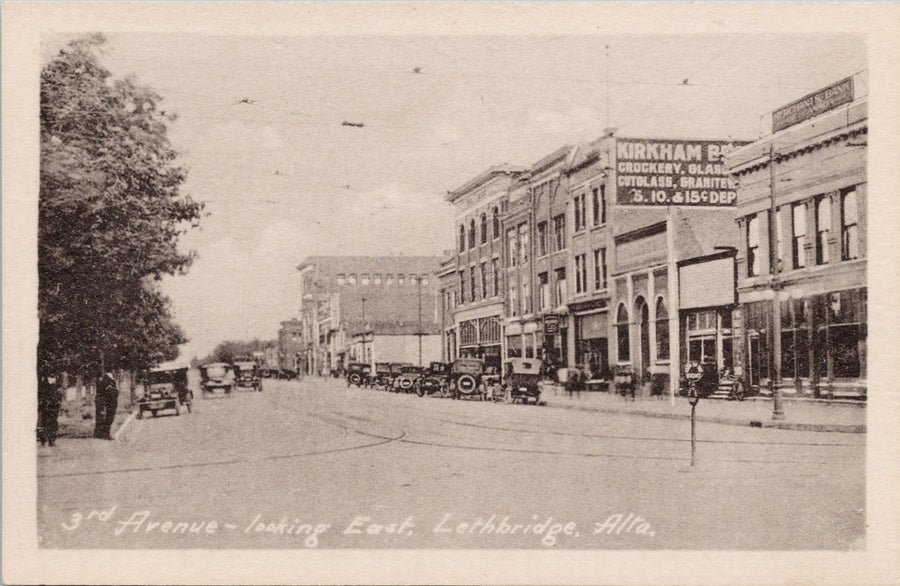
x=105 y=402
x=49 y=400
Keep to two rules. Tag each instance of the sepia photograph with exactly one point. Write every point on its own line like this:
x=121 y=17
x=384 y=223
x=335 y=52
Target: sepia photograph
x=289 y=290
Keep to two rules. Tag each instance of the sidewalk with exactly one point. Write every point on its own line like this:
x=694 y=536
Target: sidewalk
x=800 y=414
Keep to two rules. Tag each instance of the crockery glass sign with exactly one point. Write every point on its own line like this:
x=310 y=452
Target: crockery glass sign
x=813 y=104
x=660 y=172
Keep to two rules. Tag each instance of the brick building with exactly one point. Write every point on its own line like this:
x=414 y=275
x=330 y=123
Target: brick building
x=368 y=308
x=477 y=262
x=801 y=261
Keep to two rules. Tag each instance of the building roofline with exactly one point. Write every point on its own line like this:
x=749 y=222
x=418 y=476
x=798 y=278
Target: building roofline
x=481 y=179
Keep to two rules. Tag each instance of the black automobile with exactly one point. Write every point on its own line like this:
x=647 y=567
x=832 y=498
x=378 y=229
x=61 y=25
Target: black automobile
x=520 y=381
x=358 y=374
x=165 y=388
x=465 y=378
x=383 y=375
x=408 y=378
x=435 y=380
x=216 y=376
x=247 y=375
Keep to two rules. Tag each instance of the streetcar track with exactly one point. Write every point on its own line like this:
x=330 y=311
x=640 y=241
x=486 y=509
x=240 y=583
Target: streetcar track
x=548 y=452
x=329 y=420
x=627 y=437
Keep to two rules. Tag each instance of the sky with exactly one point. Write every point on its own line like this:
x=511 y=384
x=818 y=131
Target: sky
x=260 y=130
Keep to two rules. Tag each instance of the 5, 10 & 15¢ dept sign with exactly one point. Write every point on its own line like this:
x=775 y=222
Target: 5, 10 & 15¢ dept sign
x=674 y=172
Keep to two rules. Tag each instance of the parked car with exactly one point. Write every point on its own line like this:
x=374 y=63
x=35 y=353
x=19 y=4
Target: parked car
x=247 y=375
x=383 y=376
x=520 y=381
x=465 y=378
x=165 y=388
x=408 y=378
x=435 y=380
x=358 y=374
x=216 y=376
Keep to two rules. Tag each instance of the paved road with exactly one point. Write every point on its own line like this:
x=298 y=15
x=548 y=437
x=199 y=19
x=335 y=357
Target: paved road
x=315 y=464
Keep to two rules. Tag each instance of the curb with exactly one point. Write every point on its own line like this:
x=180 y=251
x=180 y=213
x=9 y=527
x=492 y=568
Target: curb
x=827 y=427
x=123 y=426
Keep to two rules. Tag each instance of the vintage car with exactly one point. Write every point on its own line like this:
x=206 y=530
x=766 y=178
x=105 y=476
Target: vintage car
x=358 y=374
x=383 y=376
x=434 y=381
x=408 y=378
x=247 y=375
x=216 y=376
x=520 y=381
x=465 y=378
x=165 y=387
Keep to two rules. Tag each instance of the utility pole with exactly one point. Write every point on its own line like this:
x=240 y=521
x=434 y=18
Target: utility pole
x=775 y=373
x=419 y=331
x=363 y=330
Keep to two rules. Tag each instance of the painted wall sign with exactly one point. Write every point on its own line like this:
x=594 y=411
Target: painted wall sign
x=659 y=172
x=813 y=104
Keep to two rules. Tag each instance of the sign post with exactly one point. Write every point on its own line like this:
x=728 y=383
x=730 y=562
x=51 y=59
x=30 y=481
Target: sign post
x=693 y=374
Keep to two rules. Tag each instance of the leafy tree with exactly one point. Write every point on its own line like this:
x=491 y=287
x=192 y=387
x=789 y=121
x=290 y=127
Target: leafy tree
x=110 y=215
x=231 y=350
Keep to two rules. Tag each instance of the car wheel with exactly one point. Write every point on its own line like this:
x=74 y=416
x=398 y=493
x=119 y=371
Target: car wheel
x=153 y=411
x=466 y=384
x=420 y=390
x=405 y=384
x=355 y=378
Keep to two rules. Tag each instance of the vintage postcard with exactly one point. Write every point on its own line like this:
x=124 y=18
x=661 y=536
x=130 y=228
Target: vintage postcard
x=444 y=292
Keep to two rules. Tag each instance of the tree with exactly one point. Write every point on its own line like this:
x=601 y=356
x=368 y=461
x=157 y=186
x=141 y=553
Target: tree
x=110 y=216
x=231 y=350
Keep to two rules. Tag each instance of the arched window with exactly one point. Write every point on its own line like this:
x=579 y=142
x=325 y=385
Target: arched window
x=624 y=352
x=662 y=330
x=472 y=233
x=484 y=228
x=462 y=238
x=496 y=220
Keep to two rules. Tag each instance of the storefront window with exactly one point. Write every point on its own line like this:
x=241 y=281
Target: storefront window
x=623 y=349
x=662 y=331
x=847 y=318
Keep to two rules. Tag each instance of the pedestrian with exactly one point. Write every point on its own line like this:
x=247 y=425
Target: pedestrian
x=49 y=401
x=106 y=401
